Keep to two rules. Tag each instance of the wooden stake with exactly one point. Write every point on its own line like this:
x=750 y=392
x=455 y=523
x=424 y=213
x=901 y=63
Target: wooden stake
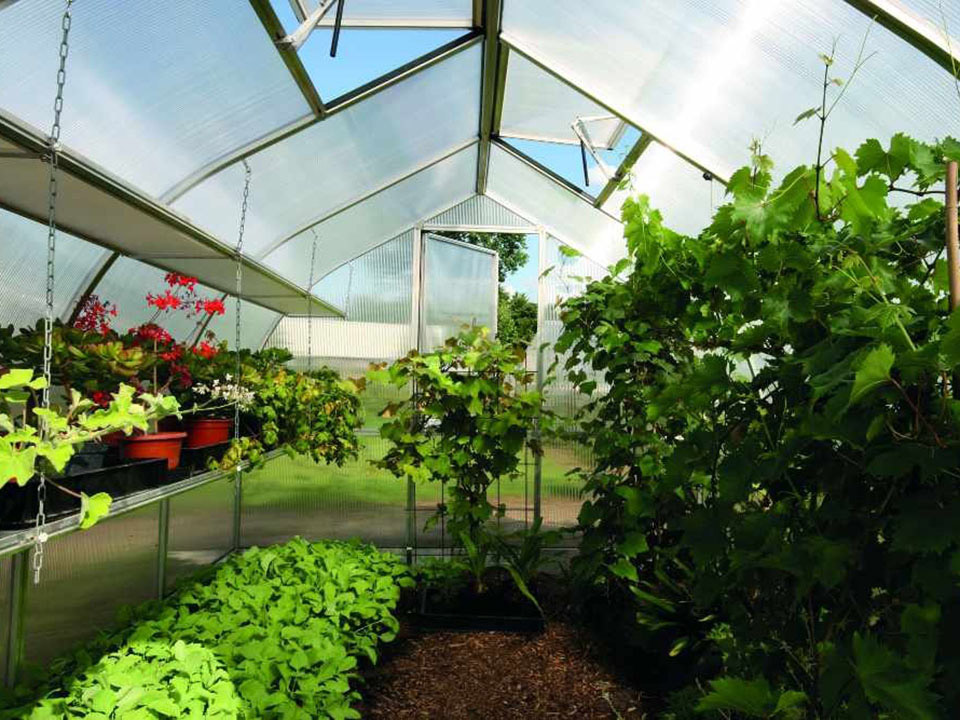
x=953 y=245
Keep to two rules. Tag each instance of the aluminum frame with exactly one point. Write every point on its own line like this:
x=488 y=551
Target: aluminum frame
x=626 y=165
x=273 y=26
x=912 y=29
x=491 y=86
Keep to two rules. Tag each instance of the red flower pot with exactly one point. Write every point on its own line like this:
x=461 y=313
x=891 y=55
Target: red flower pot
x=157 y=445
x=112 y=439
x=207 y=431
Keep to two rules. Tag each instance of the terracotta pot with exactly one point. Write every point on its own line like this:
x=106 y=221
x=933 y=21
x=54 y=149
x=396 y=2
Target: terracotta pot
x=171 y=423
x=157 y=445
x=207 y=431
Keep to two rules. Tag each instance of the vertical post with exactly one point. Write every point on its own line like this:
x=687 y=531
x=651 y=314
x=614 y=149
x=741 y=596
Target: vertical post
x=19 y=584
x=163 y=543
x=415 y=324
x=953 y=247
x=541 y=370
x=496 y=294
x=237 y=507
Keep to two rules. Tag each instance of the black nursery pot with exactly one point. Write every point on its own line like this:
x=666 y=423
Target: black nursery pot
x=195 y=460
x=501 y=607
x=19 y=505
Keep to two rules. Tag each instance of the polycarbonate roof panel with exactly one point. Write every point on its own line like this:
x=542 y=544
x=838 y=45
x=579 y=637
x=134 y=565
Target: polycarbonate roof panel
x=569 y=217
x=347 y=156
x=155 y=90
x=707 y=76
x=675 y=188
x=255 y=324
x=538 y=106
x=448 y=13
x=387 y=214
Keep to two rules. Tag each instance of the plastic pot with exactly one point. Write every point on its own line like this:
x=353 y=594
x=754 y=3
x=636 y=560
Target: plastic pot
x=155 y=445
x=207 y=431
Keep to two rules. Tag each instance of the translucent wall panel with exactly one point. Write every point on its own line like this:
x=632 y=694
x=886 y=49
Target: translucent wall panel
x=675 y=187
x=328 y=165
x=456 y=13
x=295 y=496
x=256 y=323
x=538 y=106
x=200 y=529
x=707 y=77
x=566 y=215
x=23 y=270
x=87 y=577
x=563 y=277
x=155 y=90
x=459 y=288
x=6 y=583
x=386 y=215
x=335 y=339
x=480 y=211
x=375 y=287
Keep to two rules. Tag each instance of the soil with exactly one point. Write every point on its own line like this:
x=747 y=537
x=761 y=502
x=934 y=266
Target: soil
x=560 y=673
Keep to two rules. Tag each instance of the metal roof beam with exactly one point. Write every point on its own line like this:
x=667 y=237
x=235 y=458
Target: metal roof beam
x=629 y=160
x=273 y=26
x=530 y=54
x=932 y=41
x=491 y=87
x=298 y=37
x=340 y=103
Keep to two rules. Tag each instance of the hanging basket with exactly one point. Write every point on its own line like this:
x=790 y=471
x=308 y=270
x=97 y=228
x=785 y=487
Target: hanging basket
x=155 y=445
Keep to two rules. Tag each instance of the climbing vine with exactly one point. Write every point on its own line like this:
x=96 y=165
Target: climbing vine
x=776 y=493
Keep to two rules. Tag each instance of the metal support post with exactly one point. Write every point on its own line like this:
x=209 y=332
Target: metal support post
x=163 y=542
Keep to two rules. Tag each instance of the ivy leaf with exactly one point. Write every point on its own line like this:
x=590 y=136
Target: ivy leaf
x=93 y=508
x=872 y=372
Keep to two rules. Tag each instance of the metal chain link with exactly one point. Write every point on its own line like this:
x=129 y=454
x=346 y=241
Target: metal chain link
x=53 y=143
x=313 y=260
x=243 y=222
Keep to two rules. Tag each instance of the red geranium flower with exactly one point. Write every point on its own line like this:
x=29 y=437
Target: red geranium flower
x=101 y=398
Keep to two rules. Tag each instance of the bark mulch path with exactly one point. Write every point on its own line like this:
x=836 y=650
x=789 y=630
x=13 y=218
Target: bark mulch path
x=494 y=676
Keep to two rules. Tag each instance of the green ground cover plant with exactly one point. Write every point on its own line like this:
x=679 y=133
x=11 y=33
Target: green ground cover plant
x=275 y=632
x=775 y=493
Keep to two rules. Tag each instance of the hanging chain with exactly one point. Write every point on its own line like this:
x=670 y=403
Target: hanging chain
x=313 y=260
x=243 y=222
x=53 y=142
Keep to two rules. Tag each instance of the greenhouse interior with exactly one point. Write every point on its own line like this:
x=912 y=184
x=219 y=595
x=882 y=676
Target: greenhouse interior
x=479 y=359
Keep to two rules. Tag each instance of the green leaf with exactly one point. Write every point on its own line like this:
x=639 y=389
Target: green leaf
x=753 y=698
x=887 y=681
x=15 y=378
x=806 y=115
x=872 y=372
x=93 y=508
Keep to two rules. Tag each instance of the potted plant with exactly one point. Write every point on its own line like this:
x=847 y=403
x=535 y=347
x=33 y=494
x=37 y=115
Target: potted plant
x=167 y=362
x=466 y=426
x=25 y=444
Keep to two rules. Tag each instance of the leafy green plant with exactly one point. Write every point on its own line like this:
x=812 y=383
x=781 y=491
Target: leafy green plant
x=276 y=632
x=521 y=553
x=775 y=488
x=24 y=445
x=466 y=424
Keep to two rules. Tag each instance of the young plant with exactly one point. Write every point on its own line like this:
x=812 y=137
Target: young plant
x=466 y=424
x=24 y=443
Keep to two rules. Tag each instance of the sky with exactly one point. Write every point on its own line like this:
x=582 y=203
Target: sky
x=366 y=54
